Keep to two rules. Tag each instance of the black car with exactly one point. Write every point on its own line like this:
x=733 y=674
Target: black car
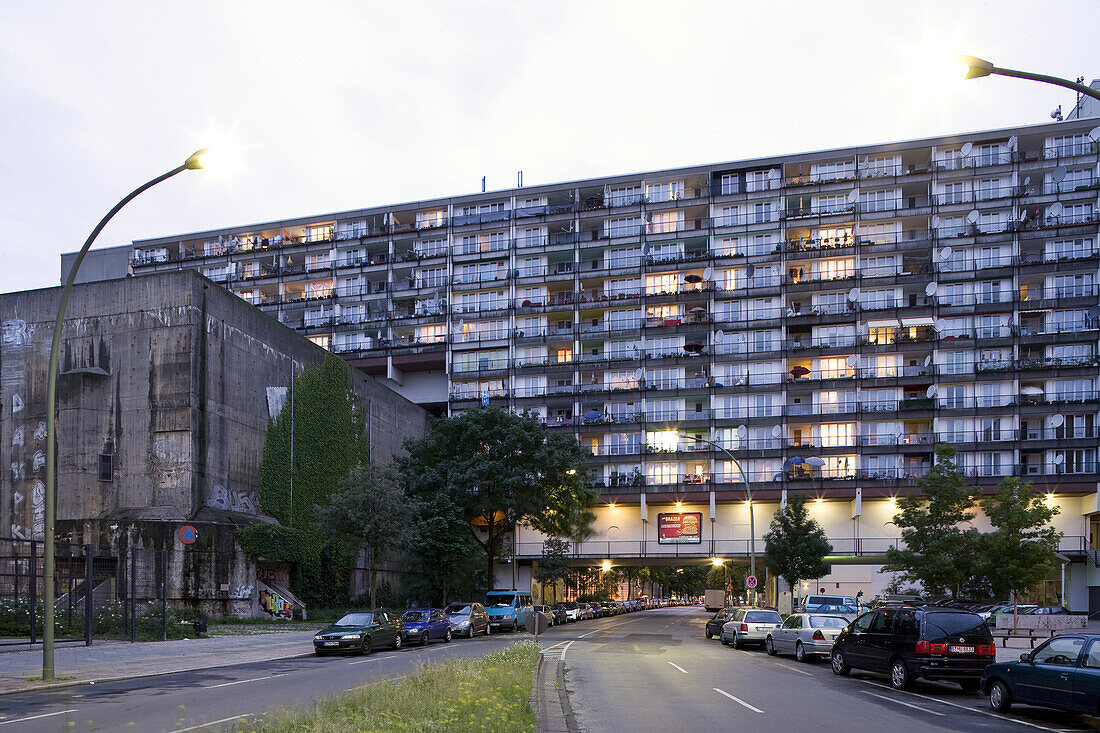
x=935 y=643
x=715 y=622
x=1063 y=673
x=361 y=631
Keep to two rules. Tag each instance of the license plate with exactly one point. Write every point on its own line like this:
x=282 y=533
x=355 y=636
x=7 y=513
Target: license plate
x=331 y=643
x=961 y=649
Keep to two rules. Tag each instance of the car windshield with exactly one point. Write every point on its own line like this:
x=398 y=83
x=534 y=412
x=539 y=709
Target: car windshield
x=763 y=617
x=501 y=601
x=953 y=624
x=415 y=616
x=458 y=609
x=827 y=622
x=356 y=619
x=837 y=609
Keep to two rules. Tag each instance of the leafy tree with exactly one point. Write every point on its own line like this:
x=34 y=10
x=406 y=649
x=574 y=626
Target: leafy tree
x=554 y=566
x=443 y=556
x=1020 y=551
x=938 y=554
x=329 y=442
x=796 y=545
x=372 y=512
x=501 y=469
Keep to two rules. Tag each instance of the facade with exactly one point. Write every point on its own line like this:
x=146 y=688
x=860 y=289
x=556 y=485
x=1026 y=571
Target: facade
x=167 y=384
x=852 y=306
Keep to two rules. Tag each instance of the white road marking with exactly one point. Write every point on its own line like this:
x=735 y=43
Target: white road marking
x=677 y=666
x=794 y=669
x=241 y=682
x=564 y=649
x=902 y=702
x=373 y=659
x=590 y=633
x=36 y=717
x=212 y=722
x=737 y=700
x=963 y=707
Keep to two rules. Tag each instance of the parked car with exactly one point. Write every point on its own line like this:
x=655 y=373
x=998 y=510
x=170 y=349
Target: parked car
x=546 y=613
x=848 y=612
x=424 y=624
x=812 y=603
x=933 y=642
x=468 y=619
x=806 y=635
x=714 y=624
x=1049 y=611
x=508 y=609
x=749 y=626
x=572 y=611
x=1062 y=673
x=597 y=610
x=560 y=615
x=360 y=631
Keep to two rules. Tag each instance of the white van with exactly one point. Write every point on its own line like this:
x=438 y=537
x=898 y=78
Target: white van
x=811 y=604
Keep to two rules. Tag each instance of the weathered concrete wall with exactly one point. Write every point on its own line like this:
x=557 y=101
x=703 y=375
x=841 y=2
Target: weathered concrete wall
x=176 y=379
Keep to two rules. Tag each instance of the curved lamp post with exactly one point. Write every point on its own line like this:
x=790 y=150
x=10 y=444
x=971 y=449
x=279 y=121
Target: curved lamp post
x=192 y=163
x=977 y=68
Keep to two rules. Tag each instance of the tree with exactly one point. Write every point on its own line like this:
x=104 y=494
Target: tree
x=795 y=546
x=444 y=557
x=938 y=554
x=501 y=469
x=329 y=442
x=372 y=512
x=554 y=566
x=1020 y=551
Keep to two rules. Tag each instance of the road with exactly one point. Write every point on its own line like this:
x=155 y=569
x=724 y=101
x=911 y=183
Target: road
x=655 y=671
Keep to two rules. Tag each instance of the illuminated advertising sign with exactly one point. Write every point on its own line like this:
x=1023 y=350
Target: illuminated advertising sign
x=677 y=529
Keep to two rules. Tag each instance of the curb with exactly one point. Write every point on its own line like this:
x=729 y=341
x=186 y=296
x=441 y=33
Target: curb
x=121 y=678
x=550 y=700
x=563 y=698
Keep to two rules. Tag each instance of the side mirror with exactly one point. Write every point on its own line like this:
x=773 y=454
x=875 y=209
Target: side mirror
x=1026 y=657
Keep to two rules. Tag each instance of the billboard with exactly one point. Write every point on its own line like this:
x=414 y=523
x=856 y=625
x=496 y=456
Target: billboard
x=676 y=529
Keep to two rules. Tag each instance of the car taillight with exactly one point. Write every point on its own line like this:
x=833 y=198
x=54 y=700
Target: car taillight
x=818 y=636
x=927 y=647
x=744 y=627
x=987 y=650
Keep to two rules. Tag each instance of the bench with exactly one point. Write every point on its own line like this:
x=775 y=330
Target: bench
x=1030 y=634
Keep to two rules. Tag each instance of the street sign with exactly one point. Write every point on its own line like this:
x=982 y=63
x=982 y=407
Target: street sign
x=536 y=623
x=187 y=534
x=750 y=582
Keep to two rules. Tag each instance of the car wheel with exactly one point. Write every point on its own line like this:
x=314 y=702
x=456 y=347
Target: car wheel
x=488 y=629
x=970 y=685
x=424 y=639
x=397 y=642
x=365 y=647
x=899 y=675
x=708 y=634
x=736 y=642
x=840 y=667
x=800 y=652
x=515 y=626
x=1000 y=699
x=725 y=641
x=769 y=646
x=447 y=636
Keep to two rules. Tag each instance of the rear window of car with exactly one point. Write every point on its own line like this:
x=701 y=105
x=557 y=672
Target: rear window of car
x=828 y=622
x=953 y=624
x=763 y=617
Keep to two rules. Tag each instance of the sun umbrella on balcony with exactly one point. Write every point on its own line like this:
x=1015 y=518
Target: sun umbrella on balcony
x=1031 y=391
x=799 y=371
x=692 y=278
x=593 y=415
x=698 y=309
x=693 y=347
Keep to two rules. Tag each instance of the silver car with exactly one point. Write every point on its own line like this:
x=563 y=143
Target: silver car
x=805 y=635
x=749 y=626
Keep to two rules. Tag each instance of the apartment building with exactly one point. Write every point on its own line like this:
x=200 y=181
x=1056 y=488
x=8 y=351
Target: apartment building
x=826 y=317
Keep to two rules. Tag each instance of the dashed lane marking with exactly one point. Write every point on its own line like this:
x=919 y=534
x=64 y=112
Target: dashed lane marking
x=963 y=707
x=902 y=702
x=677 y=666
x=737 y=700
x=241 y=682
x=373 y=659
x=794 y=669
x=36 y=717
x=564 y=649
x=212 y=722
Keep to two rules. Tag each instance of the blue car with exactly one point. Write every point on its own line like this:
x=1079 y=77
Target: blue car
x=424 y=624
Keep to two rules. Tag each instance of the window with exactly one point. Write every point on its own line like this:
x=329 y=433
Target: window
x=730 y=184
x=426 y=219
x=761 y=213
x=106 y=467
x=623 y=227
x=671 y=221
x=832 y=171
x=886 y=165
x=831 y=204
x=658 y=192
x=1062 y=146
x=835 y=435
x=761 y=180
x=878 y=201
x=623 y=195
x=954 y=193
x=1061 y=651
x=1069 y=249
x=989 y=188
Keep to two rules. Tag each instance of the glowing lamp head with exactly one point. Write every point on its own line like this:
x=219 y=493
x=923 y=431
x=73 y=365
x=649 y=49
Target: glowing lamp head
x=679 y=505
x=974 y=67
x=571 y=472
x=717 y=562
x=1050 y=497
x=611 y=505
x=819 y=500
x=606 y=565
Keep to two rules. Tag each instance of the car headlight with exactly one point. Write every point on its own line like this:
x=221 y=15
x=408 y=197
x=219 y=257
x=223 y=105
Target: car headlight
x=463 y=624
x=318 y=638
x=507 y=616
x=350 y=636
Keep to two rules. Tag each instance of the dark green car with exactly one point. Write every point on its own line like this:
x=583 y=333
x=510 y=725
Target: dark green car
x=361 y=631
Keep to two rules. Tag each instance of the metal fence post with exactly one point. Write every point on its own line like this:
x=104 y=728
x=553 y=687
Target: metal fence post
x=164 y=594
x=133 y=594
x=88 y=600
x=33 y=590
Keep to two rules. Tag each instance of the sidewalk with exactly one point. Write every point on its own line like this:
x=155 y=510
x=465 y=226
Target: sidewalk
x=113 y=660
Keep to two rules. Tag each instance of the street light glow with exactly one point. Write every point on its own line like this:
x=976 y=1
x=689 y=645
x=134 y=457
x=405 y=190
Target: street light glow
x=717 y=562
x=606 y=565
x=974 y=67
x=611 y=505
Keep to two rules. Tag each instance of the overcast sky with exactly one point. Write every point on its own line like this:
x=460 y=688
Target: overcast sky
x=343 y=105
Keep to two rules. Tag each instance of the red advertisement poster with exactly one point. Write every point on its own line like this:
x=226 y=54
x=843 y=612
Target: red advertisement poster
x=675 y=529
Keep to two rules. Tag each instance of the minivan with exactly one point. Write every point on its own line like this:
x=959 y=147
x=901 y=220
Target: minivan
x=814 y=602
x=508 y=609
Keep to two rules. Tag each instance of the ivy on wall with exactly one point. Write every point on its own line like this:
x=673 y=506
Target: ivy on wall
x=329 y=442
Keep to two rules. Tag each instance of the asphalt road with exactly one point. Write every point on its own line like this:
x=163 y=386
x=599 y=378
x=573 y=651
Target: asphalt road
x=656 y=671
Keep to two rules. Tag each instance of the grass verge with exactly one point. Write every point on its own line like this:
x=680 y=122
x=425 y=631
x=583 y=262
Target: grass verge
x=490 y=693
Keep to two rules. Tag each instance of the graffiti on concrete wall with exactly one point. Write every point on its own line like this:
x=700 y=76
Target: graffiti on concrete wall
x=28 y=459
x=241 y=592
x=275 y=605
x=234 y=501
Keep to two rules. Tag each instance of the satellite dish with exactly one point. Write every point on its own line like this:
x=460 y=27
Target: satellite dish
x=1057 y=420
x=853 y=295
x=1027 y=180
x=1058 y=174
x=742 y=431
x=940 y=325
x=718 y=336
x=1094 y=312
x=973 y=216
x=1094 y=134
x=931 y=288
x=750 y=270
x=853 y=195
x=1055 y=209
x=777 y=431
x=708 y=273
x=931 y=391
x=1012 y=142
x=1059 y=459
x=1023 y=214
x=928 y=360
x=945 y=253
x=852 y=360
x=966 y=148
x=645 y=248
x=379 y=335
x=638 y=373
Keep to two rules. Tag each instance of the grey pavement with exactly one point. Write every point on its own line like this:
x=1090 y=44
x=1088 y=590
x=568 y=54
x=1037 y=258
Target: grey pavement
x=113 y=660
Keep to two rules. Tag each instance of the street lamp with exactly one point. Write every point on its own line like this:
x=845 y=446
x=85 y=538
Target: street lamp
x=748 y=494
x=192 y=163
x=977 y=68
